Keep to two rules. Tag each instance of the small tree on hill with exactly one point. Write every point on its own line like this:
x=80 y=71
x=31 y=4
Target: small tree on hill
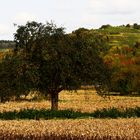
x=61 y=61
x=136 y=26
x=128 y=25
x=105 y=26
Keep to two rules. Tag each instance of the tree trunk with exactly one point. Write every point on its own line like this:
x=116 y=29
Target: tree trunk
x=2 y=100
x=54 y=101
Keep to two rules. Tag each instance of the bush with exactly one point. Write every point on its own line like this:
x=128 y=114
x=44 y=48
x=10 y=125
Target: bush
x=41 y=114
x=69 y=114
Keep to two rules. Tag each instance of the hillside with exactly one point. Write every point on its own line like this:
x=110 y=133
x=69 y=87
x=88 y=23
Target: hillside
x=123 y=57
x=121 y=35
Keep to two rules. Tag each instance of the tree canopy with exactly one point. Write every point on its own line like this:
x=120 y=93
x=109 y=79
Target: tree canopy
x=53 y=61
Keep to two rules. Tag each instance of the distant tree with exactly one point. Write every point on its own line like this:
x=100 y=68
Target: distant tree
x=105 y=26
x=128 y=25
x=136 y=26
x=137 y=45
x=80 y=31
x=122 y=81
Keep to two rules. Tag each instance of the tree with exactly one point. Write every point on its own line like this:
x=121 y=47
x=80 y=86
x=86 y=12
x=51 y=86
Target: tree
x=61 y=61
x=16 y=77
x=136 y=26
x=128 y=25
x=105 y=26
x=6 y=72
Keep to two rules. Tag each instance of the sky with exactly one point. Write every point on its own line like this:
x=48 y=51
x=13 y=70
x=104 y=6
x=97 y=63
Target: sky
x=71 y=14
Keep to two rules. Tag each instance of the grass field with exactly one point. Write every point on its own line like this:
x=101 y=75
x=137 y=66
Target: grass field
x=82 y=100
x=82 y=129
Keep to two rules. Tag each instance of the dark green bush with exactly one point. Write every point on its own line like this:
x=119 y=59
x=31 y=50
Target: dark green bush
x=107 y=113
x=44 y=114
x=69 y=114
x=115 y=113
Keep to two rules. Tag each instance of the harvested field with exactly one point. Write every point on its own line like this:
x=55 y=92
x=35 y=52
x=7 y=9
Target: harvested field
x=73 y=129
x=82 y=129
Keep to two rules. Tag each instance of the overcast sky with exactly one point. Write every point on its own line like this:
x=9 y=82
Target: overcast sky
x=71 y=14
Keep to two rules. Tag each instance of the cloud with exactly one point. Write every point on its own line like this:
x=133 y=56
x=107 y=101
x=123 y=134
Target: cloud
x=115 y=12
x=4 y=29
x=23 y=17
x=116 y=7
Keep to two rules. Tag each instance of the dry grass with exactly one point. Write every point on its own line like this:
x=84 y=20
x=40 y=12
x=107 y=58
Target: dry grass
x=78 y=129
x=84 y=101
